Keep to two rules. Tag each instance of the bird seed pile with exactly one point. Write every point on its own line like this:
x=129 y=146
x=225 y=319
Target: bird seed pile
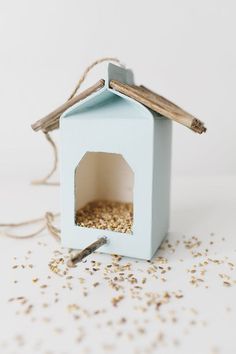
x=106 y=215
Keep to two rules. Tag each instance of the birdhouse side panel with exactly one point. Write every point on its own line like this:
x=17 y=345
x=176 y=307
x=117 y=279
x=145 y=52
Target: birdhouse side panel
x=161 y=180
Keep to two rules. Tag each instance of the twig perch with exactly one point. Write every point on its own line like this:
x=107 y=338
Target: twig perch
x=78 y=257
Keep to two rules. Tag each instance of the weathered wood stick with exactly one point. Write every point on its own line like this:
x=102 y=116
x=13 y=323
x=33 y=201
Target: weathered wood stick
x=78 y=257
x=196 y=125
x=159 y=104
x=51 y=121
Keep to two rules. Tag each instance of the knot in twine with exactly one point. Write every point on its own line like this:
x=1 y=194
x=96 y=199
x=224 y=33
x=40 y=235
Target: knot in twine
x=49 y=217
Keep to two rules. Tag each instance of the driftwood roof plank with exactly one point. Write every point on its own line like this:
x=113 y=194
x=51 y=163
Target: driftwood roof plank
x=51 y=121
x=159 y=104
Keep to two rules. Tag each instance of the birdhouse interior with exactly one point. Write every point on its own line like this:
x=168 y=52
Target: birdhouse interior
x=104 y=192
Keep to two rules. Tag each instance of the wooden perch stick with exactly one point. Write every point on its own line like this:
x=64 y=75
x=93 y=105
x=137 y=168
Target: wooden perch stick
x=51 y=121
x=78 y=257
x=159 y=104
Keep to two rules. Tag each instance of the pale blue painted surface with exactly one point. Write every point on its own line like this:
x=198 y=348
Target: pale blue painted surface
x=108 y=121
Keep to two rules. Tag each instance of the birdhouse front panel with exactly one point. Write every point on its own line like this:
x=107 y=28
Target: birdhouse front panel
x=115 y=158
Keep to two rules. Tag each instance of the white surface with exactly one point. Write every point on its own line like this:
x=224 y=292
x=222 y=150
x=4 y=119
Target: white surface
x=202 y=321
x=182 y=49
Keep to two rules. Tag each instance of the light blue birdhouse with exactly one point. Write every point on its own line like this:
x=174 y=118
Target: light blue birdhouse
x=115 y=159
x=115 y=149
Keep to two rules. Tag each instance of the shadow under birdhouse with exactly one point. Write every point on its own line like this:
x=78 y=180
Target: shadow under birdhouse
x=104 y=185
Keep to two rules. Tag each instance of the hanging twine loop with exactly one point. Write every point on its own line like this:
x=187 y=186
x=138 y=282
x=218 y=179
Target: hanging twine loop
x=88 y=69
x=49 y=217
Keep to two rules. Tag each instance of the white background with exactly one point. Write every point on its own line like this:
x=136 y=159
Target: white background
x=183 y=49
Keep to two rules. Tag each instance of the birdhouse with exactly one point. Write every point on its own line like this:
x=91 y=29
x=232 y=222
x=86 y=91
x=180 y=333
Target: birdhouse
x=115 y=165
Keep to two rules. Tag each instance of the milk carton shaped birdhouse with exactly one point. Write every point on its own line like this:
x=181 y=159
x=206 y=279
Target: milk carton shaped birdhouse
x=115 y=159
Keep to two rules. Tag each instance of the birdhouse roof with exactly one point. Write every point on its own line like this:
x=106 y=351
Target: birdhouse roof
x=121 y=80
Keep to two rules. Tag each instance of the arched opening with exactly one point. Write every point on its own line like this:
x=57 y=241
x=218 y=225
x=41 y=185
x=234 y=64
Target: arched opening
x=104 y=185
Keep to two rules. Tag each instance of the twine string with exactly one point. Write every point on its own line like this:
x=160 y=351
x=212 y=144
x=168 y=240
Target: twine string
x=45 y=180
x=47 y=224
x=49 y=217
x=88 y=69
x=54 y=231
